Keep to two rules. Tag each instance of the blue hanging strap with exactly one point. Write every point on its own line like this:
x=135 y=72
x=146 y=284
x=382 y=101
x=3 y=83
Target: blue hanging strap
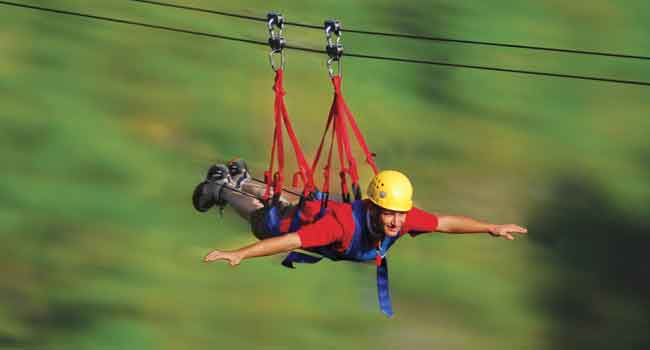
x=383 y=292
x=297 y=257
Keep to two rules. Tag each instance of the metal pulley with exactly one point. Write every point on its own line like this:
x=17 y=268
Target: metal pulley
x=276 y=41
x=333 y=48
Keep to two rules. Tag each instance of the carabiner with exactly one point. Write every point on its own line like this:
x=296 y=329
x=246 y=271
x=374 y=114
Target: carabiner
x=273 y=65
x=334 y=49
x=330 y=70
x=276 y=41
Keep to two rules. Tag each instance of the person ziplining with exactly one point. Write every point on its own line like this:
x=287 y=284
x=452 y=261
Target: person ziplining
x=344 y=227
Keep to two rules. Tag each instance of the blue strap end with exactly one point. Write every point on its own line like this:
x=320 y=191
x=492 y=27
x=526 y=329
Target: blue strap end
x=296 y=257
x=383 y=293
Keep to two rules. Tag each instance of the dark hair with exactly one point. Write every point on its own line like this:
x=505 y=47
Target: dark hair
x=374 y=234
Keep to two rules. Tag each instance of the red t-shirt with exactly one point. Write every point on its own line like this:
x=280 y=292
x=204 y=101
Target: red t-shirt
x=337 y=225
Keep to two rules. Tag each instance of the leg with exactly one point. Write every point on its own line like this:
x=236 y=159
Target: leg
x=245 y=205
x=225 y=184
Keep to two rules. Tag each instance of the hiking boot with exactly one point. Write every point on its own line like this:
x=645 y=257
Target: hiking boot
x=208 y=192
x=238 y=172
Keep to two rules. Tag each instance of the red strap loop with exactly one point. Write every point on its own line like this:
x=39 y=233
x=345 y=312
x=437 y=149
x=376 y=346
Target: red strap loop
x=339 y=116
x=281 y=116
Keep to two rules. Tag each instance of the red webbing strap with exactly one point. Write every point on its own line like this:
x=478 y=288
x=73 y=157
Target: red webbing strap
x=304 y=170
x=278 y=177
x=326 y=169
x=268 y=174
x=328 y=166
x=352 y=163
x=339 y=115
x=341 y=136
x=344 y=139
x=322 y=140
x=362 y=142
x=276 y=180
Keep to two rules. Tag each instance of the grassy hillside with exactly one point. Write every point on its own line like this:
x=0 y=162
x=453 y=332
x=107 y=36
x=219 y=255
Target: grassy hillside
x=105 y=129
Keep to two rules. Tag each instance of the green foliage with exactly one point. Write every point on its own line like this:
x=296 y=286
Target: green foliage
x=105 y=129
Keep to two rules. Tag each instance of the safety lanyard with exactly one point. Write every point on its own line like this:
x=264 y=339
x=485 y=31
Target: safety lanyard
x=338 y=120
x=281 y=118
x=381 y=262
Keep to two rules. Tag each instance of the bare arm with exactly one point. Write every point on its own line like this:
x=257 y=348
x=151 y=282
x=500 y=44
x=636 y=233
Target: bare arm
x=463 y=224
x=266 y=247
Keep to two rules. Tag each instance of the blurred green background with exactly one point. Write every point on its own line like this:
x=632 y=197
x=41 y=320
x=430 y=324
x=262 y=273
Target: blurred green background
x=105 y=129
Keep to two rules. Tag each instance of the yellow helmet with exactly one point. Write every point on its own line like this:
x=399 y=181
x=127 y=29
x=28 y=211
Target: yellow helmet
x=391 y=190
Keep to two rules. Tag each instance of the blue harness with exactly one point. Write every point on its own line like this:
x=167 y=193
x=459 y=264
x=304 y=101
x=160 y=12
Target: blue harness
x=355 y=252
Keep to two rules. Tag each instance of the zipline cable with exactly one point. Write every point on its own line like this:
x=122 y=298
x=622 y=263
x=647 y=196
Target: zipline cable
x=363 y=56
x=497 y=69
x=468 y=66
x=212 y=12
x=404 y=36
x=123 y=21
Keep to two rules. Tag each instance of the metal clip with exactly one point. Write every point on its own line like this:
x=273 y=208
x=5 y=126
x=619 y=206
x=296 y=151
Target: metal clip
x=276 y=41
x=332 y=26
x=275 y=19
x=334 y=49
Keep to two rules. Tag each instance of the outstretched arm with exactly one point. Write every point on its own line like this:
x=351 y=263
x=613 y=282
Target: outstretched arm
x=270 y=246
x=462 y=224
